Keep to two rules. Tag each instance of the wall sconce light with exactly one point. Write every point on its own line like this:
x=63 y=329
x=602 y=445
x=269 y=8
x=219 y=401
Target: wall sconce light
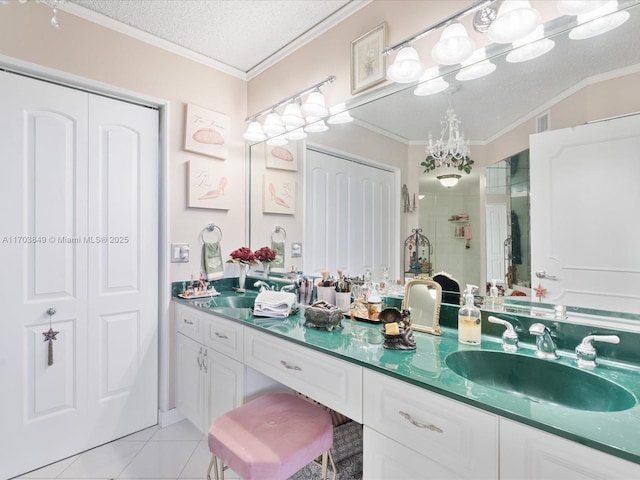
x=598 y=21
x=407 y=205
x=292 y=124
x=454 y=46
x=476 y=66
x=515 y=20
x=530 y=47
x=407 y=67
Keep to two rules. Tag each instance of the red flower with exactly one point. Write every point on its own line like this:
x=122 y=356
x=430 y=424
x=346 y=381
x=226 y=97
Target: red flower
x=265 y=254
x=243 y=255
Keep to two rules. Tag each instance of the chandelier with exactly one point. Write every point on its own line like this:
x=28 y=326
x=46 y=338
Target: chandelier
x=451 y=150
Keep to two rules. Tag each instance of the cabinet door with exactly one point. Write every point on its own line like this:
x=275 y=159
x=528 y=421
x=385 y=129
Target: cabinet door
x=386 y=459
x=224 y=385
x=456 y=436
x=526 y=452
x=189 y=379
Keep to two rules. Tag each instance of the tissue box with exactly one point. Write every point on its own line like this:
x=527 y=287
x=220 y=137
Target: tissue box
x=323 y=315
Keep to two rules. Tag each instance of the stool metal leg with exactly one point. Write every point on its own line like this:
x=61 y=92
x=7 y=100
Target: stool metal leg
x=214 y=464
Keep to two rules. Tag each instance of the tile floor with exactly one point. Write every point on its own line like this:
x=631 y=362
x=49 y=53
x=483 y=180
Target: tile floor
x=178 y=451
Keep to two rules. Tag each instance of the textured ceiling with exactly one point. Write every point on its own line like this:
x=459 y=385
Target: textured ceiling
x=238 y=33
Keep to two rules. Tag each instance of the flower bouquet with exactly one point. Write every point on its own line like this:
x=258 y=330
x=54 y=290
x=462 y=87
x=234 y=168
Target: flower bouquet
x=244 y=257
x=265 y=255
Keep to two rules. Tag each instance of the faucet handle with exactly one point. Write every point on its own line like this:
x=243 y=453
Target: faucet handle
x=586 y=352
x=509 y=337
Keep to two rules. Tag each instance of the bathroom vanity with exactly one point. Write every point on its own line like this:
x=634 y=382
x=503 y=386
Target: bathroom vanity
x=421 y=419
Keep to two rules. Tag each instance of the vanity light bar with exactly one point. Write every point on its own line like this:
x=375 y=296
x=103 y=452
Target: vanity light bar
x=479 y=5
x=326 y=81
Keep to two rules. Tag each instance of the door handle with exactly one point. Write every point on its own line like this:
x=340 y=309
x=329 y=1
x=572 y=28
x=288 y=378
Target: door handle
x=543 y=274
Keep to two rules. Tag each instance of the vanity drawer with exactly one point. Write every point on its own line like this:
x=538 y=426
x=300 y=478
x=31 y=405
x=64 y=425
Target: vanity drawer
x=448 y=432
x=224 y=336
x=188 y=321
x=326 y=379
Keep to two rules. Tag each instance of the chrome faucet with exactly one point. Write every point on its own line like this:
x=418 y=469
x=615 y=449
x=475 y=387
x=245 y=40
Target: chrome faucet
x=263 y=285
x=509 y=337
x=546 y=347
x=291 y=287
x=586 y=352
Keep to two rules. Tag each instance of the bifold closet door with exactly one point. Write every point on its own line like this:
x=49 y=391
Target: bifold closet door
x=78 y=171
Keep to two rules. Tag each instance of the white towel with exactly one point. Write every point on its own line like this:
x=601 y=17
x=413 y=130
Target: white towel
x=274 y=304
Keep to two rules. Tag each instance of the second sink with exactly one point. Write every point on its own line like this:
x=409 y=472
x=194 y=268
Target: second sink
x=541 y=380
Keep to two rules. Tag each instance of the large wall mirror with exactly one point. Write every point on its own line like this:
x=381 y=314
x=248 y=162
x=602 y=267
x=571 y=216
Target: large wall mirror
x=578 y=81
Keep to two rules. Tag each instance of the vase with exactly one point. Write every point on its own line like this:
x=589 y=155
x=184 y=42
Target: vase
x=266 y=268
x=242 y=277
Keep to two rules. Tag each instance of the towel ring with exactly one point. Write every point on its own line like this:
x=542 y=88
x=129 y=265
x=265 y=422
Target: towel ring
x=278 y=230
x=211 y=227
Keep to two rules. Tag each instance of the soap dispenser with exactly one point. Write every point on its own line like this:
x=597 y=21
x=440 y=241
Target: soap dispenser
x=469 y=322
x=495 y=302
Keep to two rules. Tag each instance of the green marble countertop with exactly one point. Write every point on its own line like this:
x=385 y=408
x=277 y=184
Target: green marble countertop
x=616 y=433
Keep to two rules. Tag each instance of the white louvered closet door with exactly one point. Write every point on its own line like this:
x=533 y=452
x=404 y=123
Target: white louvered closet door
x=78 y=234
x=351 y=216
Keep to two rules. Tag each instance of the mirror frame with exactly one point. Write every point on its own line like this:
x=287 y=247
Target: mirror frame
x=413 y=287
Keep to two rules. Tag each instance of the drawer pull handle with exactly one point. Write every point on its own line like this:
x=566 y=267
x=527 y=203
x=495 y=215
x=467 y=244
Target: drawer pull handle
x=220 y=335
x=432 y=427
x=290 y=366
x=188 y=322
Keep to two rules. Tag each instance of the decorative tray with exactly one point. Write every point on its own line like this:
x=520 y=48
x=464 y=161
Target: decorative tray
x=199 y=295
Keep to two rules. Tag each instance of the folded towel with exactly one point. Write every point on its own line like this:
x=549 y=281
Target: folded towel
x=274 y=304
x=278 y=264
x=212 y=265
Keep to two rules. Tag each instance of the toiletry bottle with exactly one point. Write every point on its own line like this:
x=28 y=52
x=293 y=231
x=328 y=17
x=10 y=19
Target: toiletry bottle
x=469 y=322
x=374 y=302
x=496 y=301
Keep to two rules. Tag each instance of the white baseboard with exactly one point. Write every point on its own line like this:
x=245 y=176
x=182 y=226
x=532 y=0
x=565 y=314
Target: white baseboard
x=169 y=417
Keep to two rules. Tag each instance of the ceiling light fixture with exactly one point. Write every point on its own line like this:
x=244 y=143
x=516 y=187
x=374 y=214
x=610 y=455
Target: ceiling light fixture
x=292 y=115
x=449 y=180
x=273 y=125
x=450 y=151
x=515 y=20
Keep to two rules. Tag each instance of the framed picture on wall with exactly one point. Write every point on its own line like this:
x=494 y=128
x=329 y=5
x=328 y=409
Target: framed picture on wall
x=206 y=132
x=283 y=157
x=207 y=185
x=368 y=64
x=279 y=193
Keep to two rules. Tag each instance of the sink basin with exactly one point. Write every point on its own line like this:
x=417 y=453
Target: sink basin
x=542 y=381
x=230 y=301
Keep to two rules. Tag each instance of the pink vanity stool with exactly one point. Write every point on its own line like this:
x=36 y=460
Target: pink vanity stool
x=270 y=438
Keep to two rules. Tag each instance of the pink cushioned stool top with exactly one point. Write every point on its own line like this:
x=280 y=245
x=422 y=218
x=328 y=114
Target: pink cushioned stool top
x=271 y=437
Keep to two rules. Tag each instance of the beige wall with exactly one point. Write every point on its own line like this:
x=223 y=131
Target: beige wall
x=87 y=50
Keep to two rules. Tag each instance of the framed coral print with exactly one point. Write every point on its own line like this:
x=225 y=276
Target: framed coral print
x=206 y=132
x=208 y=184
x=284 y=157
x=368 y=64
x=279 y=193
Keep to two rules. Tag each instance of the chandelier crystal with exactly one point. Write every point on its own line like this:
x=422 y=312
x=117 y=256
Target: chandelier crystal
x=451 y=148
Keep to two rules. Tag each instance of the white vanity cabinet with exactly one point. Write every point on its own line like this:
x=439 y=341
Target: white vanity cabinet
x=526 y=452
x=210 y=374
x=333 y=382
x=410 y=428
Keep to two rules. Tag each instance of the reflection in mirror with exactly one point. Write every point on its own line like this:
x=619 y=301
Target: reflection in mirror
x=577 y=82
x=450 y=288
x=422 y=298
x=507 y=225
